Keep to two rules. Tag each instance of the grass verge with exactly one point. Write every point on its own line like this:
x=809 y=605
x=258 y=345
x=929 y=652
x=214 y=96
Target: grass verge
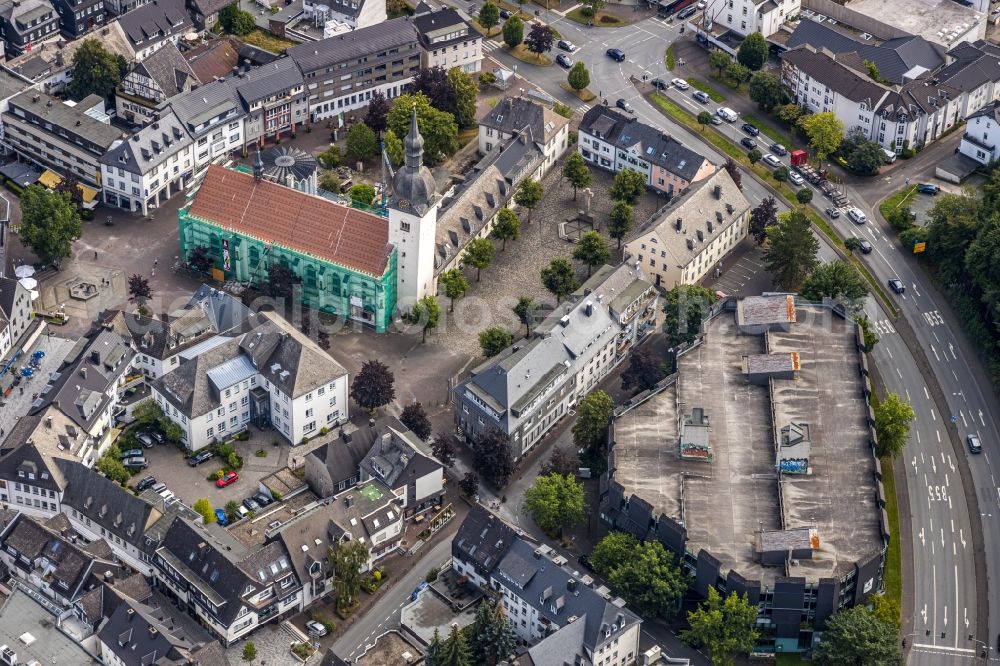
x=601 y=19
x=267 y=41
x=773 y=133
x=583 y=95
x=898 y=199
x=670 y=59
x=730 y=149
x=495 y=30
x=713 y=94
x=893 y=576
x=522 y=53
x=725 y=81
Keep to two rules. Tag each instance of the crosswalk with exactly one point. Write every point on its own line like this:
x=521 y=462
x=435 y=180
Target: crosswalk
x=933 y=318
x=883 y=327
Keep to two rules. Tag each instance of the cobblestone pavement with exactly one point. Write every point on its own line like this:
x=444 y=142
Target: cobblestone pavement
x=19 y=401
x=272 y=642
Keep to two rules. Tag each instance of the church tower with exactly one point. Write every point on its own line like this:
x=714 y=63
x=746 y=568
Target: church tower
x=413 y=222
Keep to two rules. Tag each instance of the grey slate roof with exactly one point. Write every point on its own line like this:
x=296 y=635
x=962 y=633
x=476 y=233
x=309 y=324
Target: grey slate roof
x=362 y=514
x=443 y=21
x=136 y=639
x=397 y=456
x=512 y=114
x=199 y=106
x=155 y=21
x=151 y=146
x=342 y=456
x=355 y=44
x=840 y=78
x=647 y=142
x=168 y=68
x=299 y=536
x=267 y=81
x=482 y=539
x=975 y=65
x=52 y=109
x=991 y=111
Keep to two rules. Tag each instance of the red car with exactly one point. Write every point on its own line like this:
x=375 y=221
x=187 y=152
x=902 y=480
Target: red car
x=226 y=479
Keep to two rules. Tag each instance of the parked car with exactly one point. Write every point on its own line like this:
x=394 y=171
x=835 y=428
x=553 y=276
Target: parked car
x=420 y=588
x=564 y=61
x=866 y=247
x=748 y=142
x=121 y=417
x=505 y=14
x=264 y=499
x=701 y=96
x=795 y=179
x=779 y=149
x=927 y=188
x=751 y=129
x=716 y=120
x=771 y=161
x=147 y=482
x=659 y=84
x=131 y=453
x=250 y=504
x=136 y=462
x=975 y=446
x=727 y=114
x=616 y=54
x=226 y=479
x=833 y=212
x=856 y=216
x=680 y=84
x=623 y=104
x=315 y=629
x=156 y=435
x=687 y=11
x=145 y=440
x=199 y=458
x=221 y=518
x=897 y=285
x=566 y=45
x=159 y=487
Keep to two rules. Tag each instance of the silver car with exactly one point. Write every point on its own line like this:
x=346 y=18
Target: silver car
x=771 y=161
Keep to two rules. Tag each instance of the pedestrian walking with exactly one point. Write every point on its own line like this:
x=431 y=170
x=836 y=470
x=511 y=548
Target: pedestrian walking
x=95 y=255
x=907 y=181
x=155 y=262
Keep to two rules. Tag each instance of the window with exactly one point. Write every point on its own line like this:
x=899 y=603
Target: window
x=309 y=413
x=404 y=226
x=333 y=400
x=209 y=432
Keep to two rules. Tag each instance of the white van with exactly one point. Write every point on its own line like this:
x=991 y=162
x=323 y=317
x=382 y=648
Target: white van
x=727 y=114
x=890 y=155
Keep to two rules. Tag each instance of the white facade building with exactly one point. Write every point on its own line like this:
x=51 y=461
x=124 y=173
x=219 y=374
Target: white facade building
x=982 y=135
x=748 y=16
x=511 y=115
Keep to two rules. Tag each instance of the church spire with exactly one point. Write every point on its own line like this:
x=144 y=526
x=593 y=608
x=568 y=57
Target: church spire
x=414 y=143
x=413 y=185
x=258 y=167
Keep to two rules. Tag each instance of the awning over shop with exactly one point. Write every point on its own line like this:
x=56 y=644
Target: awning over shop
x=51 y=180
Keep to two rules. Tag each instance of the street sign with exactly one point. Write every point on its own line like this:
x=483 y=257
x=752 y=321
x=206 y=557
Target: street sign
x=919 y=247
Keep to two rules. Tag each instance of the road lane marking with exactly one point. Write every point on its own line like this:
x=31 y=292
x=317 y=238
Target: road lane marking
x=933 y=415
x=935 y=353
x=899 y=373
x=942 y=648
x=927 y=393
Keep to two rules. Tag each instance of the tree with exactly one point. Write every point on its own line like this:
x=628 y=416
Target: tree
x=788 y=113
x=232 y=510
x=71 y=186
x=734 y=172
x=838 y=280
x=753 y=51
x=539 y=39
x=465 y=90
x=529 y=194
x=329 y=181
x=564 y=460
x=139 y=289
x=393 y=148
x=489 y=16
x=628 y=186
x=494 y=340
x=443 y=448
x=479 y=254
x=856 y=636
x=438 y=128
x=863 y=156
x=767 y=91
x=754 y=156
x=649 y=579
x=513 y=32
x=738 y=73
x=723 y=627
x=578 y=77
x=204 y=508
x=249 y=652
x=576 y=171
x=373 y=386
x=434 y=648
x=200 y=258
x=555 y=501
x=804 y=195
x=559 y=278
x=454 y=649
x=377 y=115
x=361 y=142
x=685 y=307
x=330 y=158
x=491 y=638
x=644 y=370
x=780 y=174
x=886 y=609
x=494 y=457
x=791 y=251
x=763 y=216
x=362 y=193
x=455 y=285
x=719 y=59
x=346 y=560
x=111 y=466
x=147 y=413
x=591 y=250
x=614 y=548
x=49 y=223
x=893 y=416
x=527 y=312
x=620 y=221
x=506 y=227
x=281 y=281
x=235 y=21
x=96 y=71
x=594 y=5
x=427 y=313
x=415 y=418
x=563 y=110
x=704 y=119
x=824 y=131
x=593 y=414
x=469 y=484
x=852 y=244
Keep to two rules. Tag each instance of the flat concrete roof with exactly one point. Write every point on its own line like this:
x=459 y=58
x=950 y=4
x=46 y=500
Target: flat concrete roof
x=724 y=503
x=430 y=613
x=934 y=20
x=390 y=649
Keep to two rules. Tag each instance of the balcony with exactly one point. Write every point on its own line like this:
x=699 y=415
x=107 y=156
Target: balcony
x=978 y=142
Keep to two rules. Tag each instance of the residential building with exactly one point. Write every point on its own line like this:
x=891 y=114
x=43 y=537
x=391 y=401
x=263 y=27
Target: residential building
x=205 y=12
x=79 y=17
x=343 y=255
x=694 y=235
x=402 y=462
x=335 y=466
x=448 y=40
x=941 y=22
x=369 y=513
x=613 y=141
x=356 y=14
x=153 y=165
x=215 y=59
x=230 y=590
x=23 y=23
x=272 y=375
x=558 y=613
x=11 y=83
x=132 y=636
x=214 y=118
x=342 y=71
x=274 y=99
x=527 y=388
x=307 y=538
x=101 y=601
x=30 y=481
x=973 y=71
x=29 y=633
x=15 y=314
x=150 y=82
x=512 y=114
x=982 y=135
x=748 y=16
x=70 y=140
x=149 y=26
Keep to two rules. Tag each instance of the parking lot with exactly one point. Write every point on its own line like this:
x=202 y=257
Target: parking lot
x=743 y=272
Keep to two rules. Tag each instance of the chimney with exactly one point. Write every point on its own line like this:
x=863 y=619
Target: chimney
x=109 y=577
x=589 y=308
x=571 y=585
x=386 y=440
x=130 y=613
x=349 y=501
x=717 y=191
x=152 y=631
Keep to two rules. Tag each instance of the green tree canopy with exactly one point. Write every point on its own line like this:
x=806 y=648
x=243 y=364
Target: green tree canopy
x=754 y=155
x=466 y=91
x=893 y=417
x=96 y=71
x=529 y=194
x=767 y=91
x=852 y=244
x=578 y=77
x=479 y=254
x=414 y=417
x=838 y=280
x=249 y=652
x=856 y=636
x=438 y=128
x=685 y=307
x=788 y=113
x=235 y=21
x=454 y=284
x=489 y=16
x=527 y=311
x=752 y=53
x=719 y=59
x=494 y=457
x=591 y=250
x=361 y=141
x=620 y=221
x=347 y=559
x=593 y=415
x=539 y=39
x=704 y=119
x=494 y=340
x=723 y=627
x=560 y=278
x=764 y=215
x=628 y=186
x=738 y=72
x=506 y=227
x=362 y=193
x=644 y=574
x=491 y=638
x=513 y=31
x=204 y=508
x=49 y=223
x=427 y=313
x=824 y=131
x=393 y=148
x=804 y=195
x=644 y=370
x=614 y=548
x=791 y=254
x=576 y=171
x=554 y=502
x=733 y=169
x=862 y=155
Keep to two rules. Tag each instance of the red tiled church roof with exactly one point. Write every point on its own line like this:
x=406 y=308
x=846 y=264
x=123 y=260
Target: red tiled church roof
x=292 y=219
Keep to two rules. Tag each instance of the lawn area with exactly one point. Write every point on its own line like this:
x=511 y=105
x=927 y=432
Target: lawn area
x=670 y=59
x=267 y=41
x=583 y=95
x=765 y=127
x=724 y=81
x=601 y=20
x=893 y=576
x=898 y=199
x=714 y=94
x=522 y=53
x=486 y=33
